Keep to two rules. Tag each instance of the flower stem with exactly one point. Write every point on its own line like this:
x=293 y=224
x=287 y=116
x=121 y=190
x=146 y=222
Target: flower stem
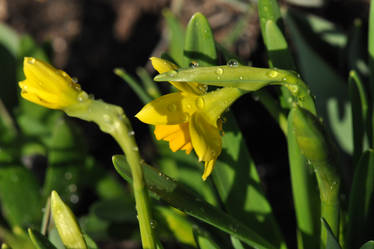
x=125 y=138
x=113 y=121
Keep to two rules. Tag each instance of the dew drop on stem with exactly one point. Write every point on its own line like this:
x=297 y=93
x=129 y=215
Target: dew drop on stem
x=232 y=63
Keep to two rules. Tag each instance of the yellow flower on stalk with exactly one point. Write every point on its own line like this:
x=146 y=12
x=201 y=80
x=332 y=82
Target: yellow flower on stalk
x=47 y=86
x=189 y=119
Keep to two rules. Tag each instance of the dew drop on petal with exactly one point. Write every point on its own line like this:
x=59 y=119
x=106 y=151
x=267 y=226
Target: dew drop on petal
x=241 y=77
x=31 y=60
x=186 y=117
x=131 y=133
x=232 y=63
x=172 y=107
x=200 y=103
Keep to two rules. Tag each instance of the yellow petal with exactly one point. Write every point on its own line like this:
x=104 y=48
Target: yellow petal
x=178 y=136
x=205 y=138
x=163 y=66
x=208 y=168
x=169 y=109
x=48 y=86
x=216 y=102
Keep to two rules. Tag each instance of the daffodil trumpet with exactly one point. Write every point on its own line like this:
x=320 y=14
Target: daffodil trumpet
x=191 y=118
x=52 y=88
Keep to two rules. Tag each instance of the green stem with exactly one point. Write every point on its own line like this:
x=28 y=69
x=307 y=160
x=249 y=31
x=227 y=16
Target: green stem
x=113 y=121
x=125 y=138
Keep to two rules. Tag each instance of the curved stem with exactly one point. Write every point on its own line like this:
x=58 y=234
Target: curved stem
x=112 y=120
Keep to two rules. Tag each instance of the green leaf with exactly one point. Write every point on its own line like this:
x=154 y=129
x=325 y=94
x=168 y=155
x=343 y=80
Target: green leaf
x=361 y=209
x=277 y=47
x=149 y=85
x=305 y=194
x=359 y=102
x=176 y=36
x=331 y=242
x=135 y=86
x=371 y=68
x=177 y=224
x=368 y=245
x=236 y=243
x=90 y=242
x=9 y=39
x=199 y=46
x=238 y=185
x=275 y=42
x=21 y=202
x=331 y=93
x=66 y=159
x=204 y=241
x=182 y=199
x=39 y=240
x=115 y=210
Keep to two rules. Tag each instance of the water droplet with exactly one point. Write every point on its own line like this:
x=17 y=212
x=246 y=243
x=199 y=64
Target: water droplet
x=82 y=96
x=74 y=199
x=153 y=224
x=31 y=60
x=188 y=106
x=131 y=133
x=200 y=103
x=289 y=100
x=219 y=71
x=185 y=117
x=68 y=176
x=72 y=187
x=107 y=118
x=308 y=162
x=241 y=77
x=194 y=64
x=273 y=74
x=160 y=174
x=135 y=148
x=232 y=63
x=218 y=78
x=74 y=79
x=172 y=107
x=293 y=88
x=203 y=88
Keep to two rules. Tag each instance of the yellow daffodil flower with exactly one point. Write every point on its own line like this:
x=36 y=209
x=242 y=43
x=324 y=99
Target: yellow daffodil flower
x=189 y=119
x=48 y=86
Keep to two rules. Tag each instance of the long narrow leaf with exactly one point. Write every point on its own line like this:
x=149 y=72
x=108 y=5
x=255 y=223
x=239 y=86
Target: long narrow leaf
x=359 y=104
x=182 y=199
x=361 y=209
x=199 y=46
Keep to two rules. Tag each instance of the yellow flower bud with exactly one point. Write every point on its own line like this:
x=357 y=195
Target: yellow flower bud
x=47 y=86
